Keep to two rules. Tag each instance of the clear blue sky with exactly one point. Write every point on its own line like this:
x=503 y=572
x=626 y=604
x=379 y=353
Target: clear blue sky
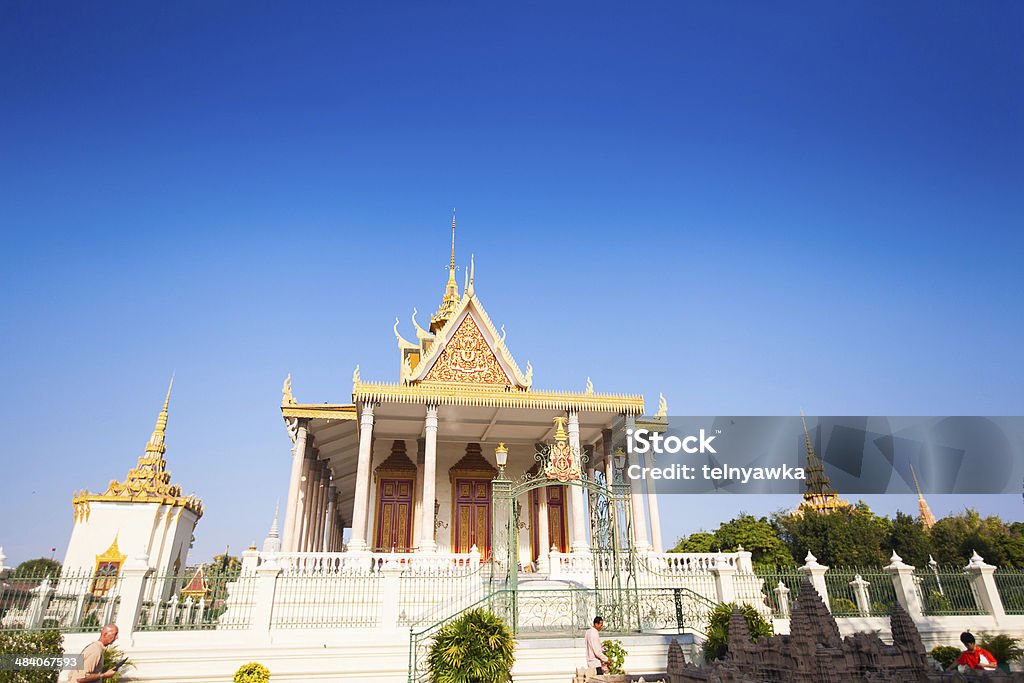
x=751 y=207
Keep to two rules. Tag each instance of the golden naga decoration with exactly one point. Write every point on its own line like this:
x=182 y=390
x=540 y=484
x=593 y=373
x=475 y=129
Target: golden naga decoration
x=662 y=406
x=563 y=463
x=467 y=358
x=286 y=392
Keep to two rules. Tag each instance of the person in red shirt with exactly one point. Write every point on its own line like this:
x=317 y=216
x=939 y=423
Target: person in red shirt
x=974 y=657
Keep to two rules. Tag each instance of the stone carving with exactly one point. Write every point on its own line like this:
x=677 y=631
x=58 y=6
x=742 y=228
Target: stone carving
x=814 y=652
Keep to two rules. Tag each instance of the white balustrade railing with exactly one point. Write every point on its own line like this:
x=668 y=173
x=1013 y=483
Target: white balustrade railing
x=427 y=564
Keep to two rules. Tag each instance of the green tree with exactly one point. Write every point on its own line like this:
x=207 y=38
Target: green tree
x=956 y=537
x=756 y=535
x=698 y=542
x=36 y=569
x=853 y=536
x=910 y=540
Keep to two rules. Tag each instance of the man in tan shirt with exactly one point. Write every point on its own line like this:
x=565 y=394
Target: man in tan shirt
x=92 y=658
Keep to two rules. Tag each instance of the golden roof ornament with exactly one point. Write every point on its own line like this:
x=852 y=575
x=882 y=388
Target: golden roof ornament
x=355 y=375
x=563 y=463
x=589 y=391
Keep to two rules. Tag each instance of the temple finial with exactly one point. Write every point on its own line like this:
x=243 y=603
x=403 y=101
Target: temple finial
x=451 y=291
x=472 y=274
x=156 y=441
x=451 y=264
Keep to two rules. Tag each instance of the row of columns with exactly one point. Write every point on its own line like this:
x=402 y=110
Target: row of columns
x=313 y=521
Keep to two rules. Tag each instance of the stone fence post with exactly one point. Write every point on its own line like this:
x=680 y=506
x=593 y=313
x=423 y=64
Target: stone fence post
x=906 y=588
x=725 y=584
x=554 y=563
x=782 y=596
x=744 y=565
x=860 y=593
x=983 y=584
x=816 y=572
x=390 y=592
x=132 y=585
x=474 y=558
x=41 y=595
x=263 y=596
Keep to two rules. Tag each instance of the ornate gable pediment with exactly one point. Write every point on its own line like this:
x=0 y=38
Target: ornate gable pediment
x=468 y=350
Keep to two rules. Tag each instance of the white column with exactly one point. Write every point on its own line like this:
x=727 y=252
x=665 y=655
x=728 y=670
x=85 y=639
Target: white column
x=418 y=525
x=637 y=501
x=543 y=532
x=652 y=508
x=362 y=497
x=306 y=502
x=331 y=520
x=321 y=510
x=427 y=543
x=579 y=505
x=292 y=525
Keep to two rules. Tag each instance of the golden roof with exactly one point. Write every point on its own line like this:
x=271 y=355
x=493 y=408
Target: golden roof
x=147 y=482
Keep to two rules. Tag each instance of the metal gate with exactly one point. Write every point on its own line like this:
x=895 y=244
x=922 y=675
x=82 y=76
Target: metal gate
x=612 y=554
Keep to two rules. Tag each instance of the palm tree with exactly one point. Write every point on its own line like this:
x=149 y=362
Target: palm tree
x=477 y=647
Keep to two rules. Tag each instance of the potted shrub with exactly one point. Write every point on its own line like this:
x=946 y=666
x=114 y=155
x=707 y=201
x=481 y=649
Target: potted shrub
x=716 y=645
x=253 y=672
x=111 y=656
x=945 y=655
x=616 y=656
x=1004 y=648
x=476 y=647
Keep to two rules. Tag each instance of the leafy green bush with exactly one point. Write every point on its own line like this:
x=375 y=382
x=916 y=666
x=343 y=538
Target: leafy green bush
x=477 y=647
x=945 y=655
x=111 y=656
x=37 y=643
x=616 y=655
x=716 y=645
x=253 y=672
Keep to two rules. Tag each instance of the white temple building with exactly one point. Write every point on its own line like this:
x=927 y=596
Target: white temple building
x=407 y=465
x=144 y=515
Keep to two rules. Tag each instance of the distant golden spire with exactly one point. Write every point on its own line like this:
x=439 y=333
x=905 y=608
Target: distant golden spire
x=819 y=495
x=923 y=511
x=156 y=441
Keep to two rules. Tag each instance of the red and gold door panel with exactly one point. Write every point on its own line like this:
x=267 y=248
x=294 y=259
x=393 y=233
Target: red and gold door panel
x=472 y=516
x=394 y=514
x=559 y=536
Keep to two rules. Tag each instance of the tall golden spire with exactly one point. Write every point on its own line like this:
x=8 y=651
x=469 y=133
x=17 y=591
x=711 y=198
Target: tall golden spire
x=923 y=511
x=451 y=291
x=147 y=482
x=156 y=441
x=819 y=496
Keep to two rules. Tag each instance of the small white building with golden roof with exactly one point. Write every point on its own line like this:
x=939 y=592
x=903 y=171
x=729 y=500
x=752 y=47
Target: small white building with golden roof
x=144 y=514
x=407 y=465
